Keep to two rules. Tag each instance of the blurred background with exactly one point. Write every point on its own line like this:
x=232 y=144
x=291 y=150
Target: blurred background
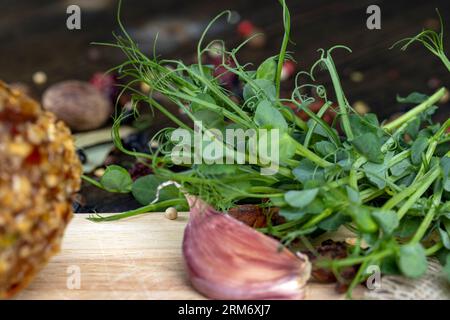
x=37 y=50
x=34 y=37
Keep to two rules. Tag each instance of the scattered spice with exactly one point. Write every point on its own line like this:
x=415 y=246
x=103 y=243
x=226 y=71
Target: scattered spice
x=171 y=213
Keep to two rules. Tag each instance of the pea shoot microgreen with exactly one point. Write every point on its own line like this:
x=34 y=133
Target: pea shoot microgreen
x=389 y=183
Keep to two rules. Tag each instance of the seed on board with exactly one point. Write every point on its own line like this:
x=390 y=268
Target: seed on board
x=171 y=213
x=361 y=107
x=154 y=144
x=216 y=50
x=145 y=88
x=352 y=241
x=99 y=172
x=39 y=77
x=446 y=97
x=356 y=76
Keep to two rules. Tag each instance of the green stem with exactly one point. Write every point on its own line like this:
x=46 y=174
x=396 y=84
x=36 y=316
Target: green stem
x=419 y=192
x=357 y=279
x=167 y=113
x=261 y=189
x=433 y=249
x=306 y=153
x=354 y=260
x=428 y=218
x=416 y=111
x=445 y=61
x=310 y=132
x=425 y=182
x=284 y=44
x=433 y=142
x=353 y=178
x=290 y=116
x=316 y=219
x=146 y=209
x=343 y=104
x=92 y=181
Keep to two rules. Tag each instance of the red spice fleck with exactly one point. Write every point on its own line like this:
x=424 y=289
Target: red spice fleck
x=34 y=157
x=245 y=28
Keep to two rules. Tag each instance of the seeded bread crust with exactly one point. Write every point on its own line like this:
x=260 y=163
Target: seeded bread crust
x=39 y=173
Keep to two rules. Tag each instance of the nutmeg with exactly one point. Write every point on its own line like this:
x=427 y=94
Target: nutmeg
x=79 y=104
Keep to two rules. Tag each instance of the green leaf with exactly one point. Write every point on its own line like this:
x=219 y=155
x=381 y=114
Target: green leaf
x=234 y=189
x=315 y=207
x=446 y=223
x=407 y=227
x=369 y=145
x=301 y=199
x=292 y=213
x=333 y=222
x=318 y=129
x=364 y=124
x=278 y=202
x=446 y=268
x=399 y=168
x=445 y=165
x=204 y=97
x=267 y=116
x=412 y=129
x=267 y=70
x=417 y=149
x=144 y=190
x=325 y=148
x=353 y=195
x=376 y=173
x=412 y=260
x=207 y=70
x=445 y=237
x=287 y=147
x=386 y=219
x=389 y=266
x=116 y=179
x=212 y=119
x=219 y=169
x=307 y=171
x=362 y=218
x=406 y=181
x=414 y=97
x=266 y=90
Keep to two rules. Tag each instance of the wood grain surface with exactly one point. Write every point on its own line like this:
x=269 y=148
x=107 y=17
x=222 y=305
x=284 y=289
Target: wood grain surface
x=137 y=258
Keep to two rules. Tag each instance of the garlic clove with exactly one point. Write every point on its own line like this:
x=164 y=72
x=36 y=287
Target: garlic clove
x=227 y=259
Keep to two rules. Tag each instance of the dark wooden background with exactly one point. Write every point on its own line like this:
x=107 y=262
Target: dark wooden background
x=34 y=37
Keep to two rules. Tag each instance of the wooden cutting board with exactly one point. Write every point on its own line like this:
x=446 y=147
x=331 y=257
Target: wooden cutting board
x=136 y=258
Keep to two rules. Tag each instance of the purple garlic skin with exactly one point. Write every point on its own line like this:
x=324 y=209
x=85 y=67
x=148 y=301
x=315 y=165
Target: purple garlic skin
x=227 y=259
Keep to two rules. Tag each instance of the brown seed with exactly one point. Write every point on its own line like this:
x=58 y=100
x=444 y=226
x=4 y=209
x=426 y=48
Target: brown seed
x=171 y=213
x=40 y=77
